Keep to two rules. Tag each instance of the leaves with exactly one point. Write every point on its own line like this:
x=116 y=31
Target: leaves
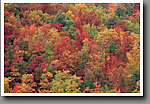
x=72 y=48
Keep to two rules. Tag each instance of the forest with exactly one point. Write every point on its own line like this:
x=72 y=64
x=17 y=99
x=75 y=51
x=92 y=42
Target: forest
x=72 y=48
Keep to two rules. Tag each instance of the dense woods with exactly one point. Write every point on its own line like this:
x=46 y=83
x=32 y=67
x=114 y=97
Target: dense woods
x=72 y=48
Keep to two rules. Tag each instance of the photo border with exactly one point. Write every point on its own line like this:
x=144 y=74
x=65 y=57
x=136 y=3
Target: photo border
x=72 y=94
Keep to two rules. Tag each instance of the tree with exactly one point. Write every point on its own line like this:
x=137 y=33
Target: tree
x=64 y=82
x=111 y=48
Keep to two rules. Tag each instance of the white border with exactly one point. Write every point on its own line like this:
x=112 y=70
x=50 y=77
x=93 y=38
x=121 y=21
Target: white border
x=72 y=94
x=73 y=1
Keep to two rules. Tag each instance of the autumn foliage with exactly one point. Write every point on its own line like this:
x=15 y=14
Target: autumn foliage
x=72 y=48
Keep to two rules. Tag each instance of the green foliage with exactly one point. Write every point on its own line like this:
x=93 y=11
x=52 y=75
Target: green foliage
x=92 y=31
x=135 y=27
x=39 y=18
x=132 y=80
x=24 y=45
x=111 y=47
x=65 y=20
x=48 y=48
x=120 y=11
x=100 y=59
x=65 y=82
x=111 y=19
x=10 y=51
x=129 y=10
x=89 y=84
x=14 y=8
x=50 y=68
x=22 y=66
x=82 y=57
x=99 y=11
x=38 y=72
x=105 y=89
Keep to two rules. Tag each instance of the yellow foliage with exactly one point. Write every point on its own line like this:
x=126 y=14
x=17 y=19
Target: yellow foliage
x=15 y=73
x=85 y=27
x=69 y=13
x=44 y=83
x=137 y=90
x=81 y=6
x=65 y=83
x=28 y=84
x=6 y=84
x=26 y=88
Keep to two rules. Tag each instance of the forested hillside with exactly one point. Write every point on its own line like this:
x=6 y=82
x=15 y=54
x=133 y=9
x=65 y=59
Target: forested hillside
x=72 y=48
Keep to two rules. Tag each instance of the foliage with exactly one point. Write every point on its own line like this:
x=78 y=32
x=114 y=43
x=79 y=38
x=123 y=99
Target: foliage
x=64 y=82
x=72 y=48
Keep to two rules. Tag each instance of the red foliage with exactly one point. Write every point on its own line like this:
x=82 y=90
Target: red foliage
x=45 y=28
x=60 y=46
x=38 y=61
x=121 y=24
x=16 y=88
x=137 y=6
x=58 y=26
x=24 y=19
x=78 y=24
x=80 y=73
x=45 y=7
x=6 y=13
x=90 y=18
x=24 y=8
x=64 y=33
x=82 y=36
x=61 y=7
